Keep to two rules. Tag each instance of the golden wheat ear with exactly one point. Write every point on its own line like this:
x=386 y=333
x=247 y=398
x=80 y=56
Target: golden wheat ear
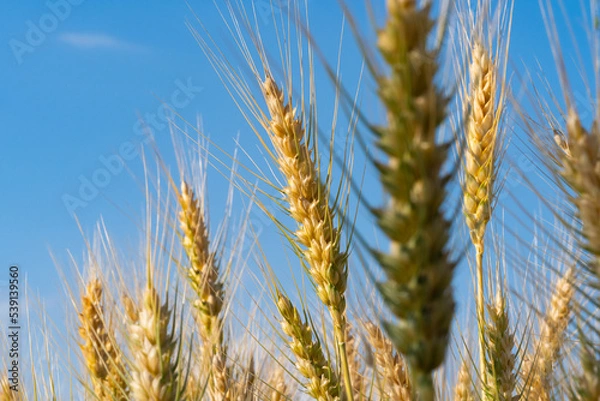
x=393 y=378
x=153 y=343
x=538 y=366
x=102 y=355
x=418 y=267
x=323 y=382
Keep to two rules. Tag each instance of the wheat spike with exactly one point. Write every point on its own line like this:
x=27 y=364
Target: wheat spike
x=203 y=275
x=355 y=365
x=322 y=382
x=463 y=390
x=153 y=344
x=309 y=206
x=538 y=367
x=277 y=387
x=101 y=354
x=501 y=362
x=7 y=393
x=482 y=136
x=418 y=267
x=396 y=380
x=203 y=272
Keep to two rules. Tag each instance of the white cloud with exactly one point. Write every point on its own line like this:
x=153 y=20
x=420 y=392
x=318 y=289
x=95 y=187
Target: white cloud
x=92 y=41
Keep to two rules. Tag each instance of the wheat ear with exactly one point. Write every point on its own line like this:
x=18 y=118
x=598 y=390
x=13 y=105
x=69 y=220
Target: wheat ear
x=101 y=354
x=537 y=369
x=277 y=387
x=463 y=389
x=203 y=275
x=309 y=206
x=355 y=364
x=580 y=157
x=418 y=268
x=7 y=393
x=323 y=383
x=501 y=362
x=396 y=380
x=152 y=343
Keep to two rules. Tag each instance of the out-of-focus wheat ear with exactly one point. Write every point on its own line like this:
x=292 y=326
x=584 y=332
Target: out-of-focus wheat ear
x=580 y=155
x=8 y=393
x=463 y=389
x=587 y=386
x=355 y=364
x=309 y=205
x=537 y=367
x=277 y=387
x=102 y=356
x=323 y=383
x=152 y=345
x=418 y=268
x=390 y=366
x=501 y=377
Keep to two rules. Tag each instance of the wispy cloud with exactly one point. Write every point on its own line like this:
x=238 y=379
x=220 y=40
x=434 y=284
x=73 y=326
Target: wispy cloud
x=93 y=41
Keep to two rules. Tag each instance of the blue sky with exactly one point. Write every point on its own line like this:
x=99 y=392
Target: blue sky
x=70 y=100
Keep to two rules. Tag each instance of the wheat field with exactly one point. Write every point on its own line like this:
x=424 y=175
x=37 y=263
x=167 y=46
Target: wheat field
x=366 y=304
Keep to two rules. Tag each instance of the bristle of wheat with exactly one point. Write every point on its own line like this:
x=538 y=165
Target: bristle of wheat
x=323 y=383
x=501 y=361
x=538 y=366
x=101 y=354
x=396 y=383
x=418 y=268
x=153 y=344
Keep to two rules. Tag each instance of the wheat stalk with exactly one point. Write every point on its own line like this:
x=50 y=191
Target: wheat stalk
x=501 y=362
x=309 y=206
x=396 y=380
x=152 y=343
x=322 y=382
x=537 y=369
x=101 y=354
x=418 y=267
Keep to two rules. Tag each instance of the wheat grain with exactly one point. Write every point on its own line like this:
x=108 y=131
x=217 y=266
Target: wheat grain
x=322 y=382
x=101 y=354
x=277 y=387
x=418 y=267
